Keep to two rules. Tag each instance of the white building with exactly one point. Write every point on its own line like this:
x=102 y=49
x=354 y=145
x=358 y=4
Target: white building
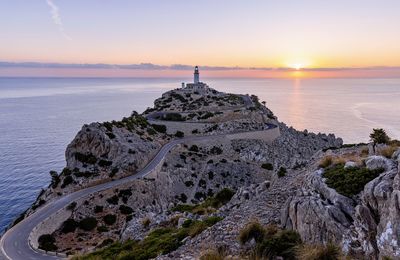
x=197 y=85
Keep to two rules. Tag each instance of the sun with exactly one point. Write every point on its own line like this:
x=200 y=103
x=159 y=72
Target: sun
x=297 y=66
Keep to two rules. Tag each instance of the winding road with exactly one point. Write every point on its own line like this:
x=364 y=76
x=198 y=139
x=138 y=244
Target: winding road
x=14 y=244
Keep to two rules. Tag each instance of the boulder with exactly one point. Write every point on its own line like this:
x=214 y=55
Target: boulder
x=350 y=164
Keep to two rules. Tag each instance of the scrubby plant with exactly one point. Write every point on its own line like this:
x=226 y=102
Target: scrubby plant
x=160 y=128
x=113 y=200
x=102 y=229
x=69 y=225
x=194 y=148
x=110 y=219
x=209 y=205
x=98 y=209
x=126 y=210
x=326 y=161
x=388 y=151
x=88 y=223
x=179 y=134
x=282 y=172
x=104 y=163
x=282 y=244
x=85 y=158
x=67 y=181
x=55 y=179
x=159 y=241
x=146 y=222
x=319 y=252
x=271 y=242
x=349 y=181
x=267 y=166
x=216 y=150
x=71 y=206
x=47 y=242
x=253 y=230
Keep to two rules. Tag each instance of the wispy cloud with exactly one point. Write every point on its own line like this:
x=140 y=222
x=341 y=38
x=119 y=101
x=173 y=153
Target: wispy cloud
x=55 y=15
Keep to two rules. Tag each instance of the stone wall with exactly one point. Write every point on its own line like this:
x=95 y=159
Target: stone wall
x=264 y=135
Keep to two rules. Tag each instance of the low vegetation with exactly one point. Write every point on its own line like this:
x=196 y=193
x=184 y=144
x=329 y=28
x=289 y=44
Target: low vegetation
x=281 y=172
x=271 y=242
x=159 y=241
x=317 y=252
x=47 y=242
x=349 y=181
x=267 y=166
x=209 y=205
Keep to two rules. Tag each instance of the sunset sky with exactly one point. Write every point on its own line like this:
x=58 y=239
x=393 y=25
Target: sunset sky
x=326 y=35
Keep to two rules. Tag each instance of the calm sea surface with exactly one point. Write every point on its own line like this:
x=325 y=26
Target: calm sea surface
x=40 y=116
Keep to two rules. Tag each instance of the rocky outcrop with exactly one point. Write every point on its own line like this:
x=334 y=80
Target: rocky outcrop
x=292 y=149
x=366 y=225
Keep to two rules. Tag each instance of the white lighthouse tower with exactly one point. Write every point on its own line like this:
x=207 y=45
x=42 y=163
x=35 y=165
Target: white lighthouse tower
x=196 y=75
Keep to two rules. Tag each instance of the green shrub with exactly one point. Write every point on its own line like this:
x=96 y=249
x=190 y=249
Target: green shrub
x=47 y=242
x=267 y=166
x=69 y=225
x=71 y=206
x=160 y=128
x=282 y=244
x=110 y=135
x=88 y=223
x=55 y=179
x=350 y=181
x=216 y=150
x=173 y=117
x=110 y=219
x=105 y=163
x=113 y=200
x=98 y=209
x=102 y=229
x=194 y=148
x=253 y=230
x=85 y=158
x=282 y=172
x=67 y=181
x=189 y=183
x=179 y=134
x=125 y=210
x=218 y=200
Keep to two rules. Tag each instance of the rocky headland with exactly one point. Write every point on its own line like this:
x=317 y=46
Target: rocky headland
x=238 y=185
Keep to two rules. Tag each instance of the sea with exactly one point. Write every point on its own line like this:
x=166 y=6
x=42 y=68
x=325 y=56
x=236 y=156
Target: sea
x=40 y=116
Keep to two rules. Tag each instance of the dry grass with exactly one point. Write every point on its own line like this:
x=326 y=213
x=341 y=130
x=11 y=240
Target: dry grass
x=146 y=222
x=252 y=230
x=388 y=151
x=330 y=160
x=212 y=254
x=318 y=252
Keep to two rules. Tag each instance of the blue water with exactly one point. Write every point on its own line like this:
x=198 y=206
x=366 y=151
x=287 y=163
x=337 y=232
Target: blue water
x=40 y=116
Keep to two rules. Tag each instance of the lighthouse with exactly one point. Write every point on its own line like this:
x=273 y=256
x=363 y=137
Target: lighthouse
x=196 y=75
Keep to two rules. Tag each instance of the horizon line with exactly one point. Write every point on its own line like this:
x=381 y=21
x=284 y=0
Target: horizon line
x=183 y=67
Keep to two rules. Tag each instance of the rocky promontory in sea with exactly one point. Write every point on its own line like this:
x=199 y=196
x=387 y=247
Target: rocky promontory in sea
x=238 y=184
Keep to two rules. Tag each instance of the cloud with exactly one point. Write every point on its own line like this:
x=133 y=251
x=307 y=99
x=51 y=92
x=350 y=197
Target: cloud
x=55 y=15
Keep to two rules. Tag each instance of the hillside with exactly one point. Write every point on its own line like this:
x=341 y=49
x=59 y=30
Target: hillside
x=230 y=163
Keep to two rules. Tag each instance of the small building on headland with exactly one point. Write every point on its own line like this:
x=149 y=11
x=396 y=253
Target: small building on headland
x=197 y=85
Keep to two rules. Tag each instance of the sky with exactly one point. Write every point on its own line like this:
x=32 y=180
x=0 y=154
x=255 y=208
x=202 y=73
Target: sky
x=232 y=34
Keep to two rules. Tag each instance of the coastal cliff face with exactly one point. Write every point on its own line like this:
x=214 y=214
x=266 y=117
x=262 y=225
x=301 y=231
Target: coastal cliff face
x=206 y=190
